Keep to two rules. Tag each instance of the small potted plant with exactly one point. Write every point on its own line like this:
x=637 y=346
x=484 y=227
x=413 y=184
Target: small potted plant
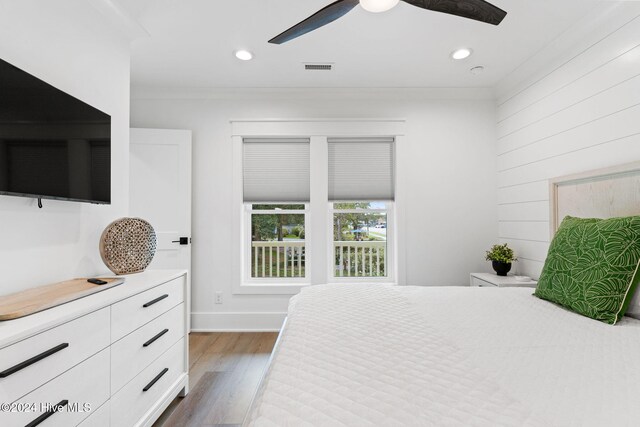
x=501 y=257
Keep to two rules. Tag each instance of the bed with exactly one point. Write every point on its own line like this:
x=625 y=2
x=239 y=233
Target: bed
x=358 y=355
x=365 y=355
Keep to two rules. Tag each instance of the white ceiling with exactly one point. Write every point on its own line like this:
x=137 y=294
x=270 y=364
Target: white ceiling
x=191 y=44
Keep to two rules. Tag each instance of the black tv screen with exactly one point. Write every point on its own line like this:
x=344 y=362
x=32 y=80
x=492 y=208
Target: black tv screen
x=52 y=145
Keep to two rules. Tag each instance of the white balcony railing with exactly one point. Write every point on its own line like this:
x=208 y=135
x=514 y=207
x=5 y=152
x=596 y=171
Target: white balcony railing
x=360 y=259
x=273 y=259
x=278 y=258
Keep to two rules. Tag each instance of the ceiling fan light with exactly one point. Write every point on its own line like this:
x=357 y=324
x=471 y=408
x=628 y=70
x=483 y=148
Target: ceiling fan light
x=377 y=6
x=463 y=53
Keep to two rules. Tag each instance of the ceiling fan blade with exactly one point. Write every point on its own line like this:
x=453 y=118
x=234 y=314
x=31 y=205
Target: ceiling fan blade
x=317 y=20
x=478 y=10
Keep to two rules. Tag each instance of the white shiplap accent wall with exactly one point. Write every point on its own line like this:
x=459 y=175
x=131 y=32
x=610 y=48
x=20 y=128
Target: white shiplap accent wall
x=580 y=114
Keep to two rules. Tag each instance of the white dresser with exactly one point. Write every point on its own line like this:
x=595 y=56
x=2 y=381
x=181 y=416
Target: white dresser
x=115 y=358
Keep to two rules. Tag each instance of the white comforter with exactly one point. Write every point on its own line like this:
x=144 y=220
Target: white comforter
x=362 y=355
x=570 y=369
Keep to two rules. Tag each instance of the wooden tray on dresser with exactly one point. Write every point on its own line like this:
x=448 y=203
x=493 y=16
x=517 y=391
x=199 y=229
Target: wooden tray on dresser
x=41 y=298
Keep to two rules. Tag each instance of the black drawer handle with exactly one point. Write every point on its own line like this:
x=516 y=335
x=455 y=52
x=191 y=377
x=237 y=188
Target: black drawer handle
x=151 y=341
x=34 y=359
x=47 y=414
x=155 y=380
x=153 y=301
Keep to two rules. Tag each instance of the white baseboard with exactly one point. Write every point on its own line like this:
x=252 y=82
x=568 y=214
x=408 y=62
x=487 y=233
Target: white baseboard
x=237 y=322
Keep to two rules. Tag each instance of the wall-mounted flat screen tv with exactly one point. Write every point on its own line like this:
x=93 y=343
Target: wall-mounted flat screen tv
x=52 y=145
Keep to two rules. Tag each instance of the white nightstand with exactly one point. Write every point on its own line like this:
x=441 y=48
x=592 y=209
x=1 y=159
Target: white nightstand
x=490 y=279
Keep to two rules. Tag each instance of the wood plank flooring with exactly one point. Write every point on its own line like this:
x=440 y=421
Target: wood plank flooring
x=224 y=372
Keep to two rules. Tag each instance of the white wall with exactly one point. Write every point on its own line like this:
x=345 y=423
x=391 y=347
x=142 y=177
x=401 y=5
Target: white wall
x=580 y=112
x=68 y=44
x=451 y=211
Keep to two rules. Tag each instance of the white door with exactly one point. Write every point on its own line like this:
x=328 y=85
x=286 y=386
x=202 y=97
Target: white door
x=160 y=192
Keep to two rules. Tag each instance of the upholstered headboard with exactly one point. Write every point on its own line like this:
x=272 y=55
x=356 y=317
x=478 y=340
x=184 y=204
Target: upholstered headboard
x=603 y=193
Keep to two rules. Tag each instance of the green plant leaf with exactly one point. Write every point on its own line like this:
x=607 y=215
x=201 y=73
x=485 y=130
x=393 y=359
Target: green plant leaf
x=563 y=288
x=606 y=295
x=591 y=266
x=562 y=261
x=622 y=248
x=581 y=237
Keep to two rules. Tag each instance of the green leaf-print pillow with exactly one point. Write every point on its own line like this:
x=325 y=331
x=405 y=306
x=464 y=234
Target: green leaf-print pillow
x=592 y=266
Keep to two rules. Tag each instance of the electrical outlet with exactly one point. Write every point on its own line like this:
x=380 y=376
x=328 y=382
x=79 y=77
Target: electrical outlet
x=218 y=297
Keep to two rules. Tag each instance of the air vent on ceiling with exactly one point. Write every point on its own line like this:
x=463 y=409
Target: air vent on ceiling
x=321 y=67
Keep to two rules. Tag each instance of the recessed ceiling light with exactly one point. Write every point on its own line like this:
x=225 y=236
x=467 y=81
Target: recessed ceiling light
x=244 y=55
x=477 y=70
x=461 y=53
x=376 y=6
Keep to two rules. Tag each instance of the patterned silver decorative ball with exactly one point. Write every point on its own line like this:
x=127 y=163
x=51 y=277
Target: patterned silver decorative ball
x=128 y=245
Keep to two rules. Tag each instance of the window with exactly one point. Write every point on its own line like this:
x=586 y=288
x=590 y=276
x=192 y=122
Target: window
x=360 y=239
x=277 y=241
x=361 y=170
x=275 y=194
x=314 y=210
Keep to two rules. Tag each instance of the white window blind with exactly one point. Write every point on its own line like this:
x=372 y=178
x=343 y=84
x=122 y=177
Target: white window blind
x=361 y=169
x=275 y=170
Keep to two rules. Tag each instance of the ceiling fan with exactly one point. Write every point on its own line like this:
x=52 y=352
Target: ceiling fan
x=478 y=10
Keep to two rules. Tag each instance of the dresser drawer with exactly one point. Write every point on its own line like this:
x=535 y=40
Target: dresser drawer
x=136 y=351
x=99 y=418
x=141 y=393
x=128 y=315
x=26 y=365
x=85 y=388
